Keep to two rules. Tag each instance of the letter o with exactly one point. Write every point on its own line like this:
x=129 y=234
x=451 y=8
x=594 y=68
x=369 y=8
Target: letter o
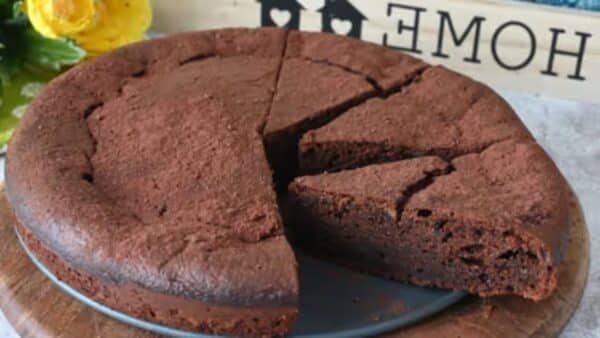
x=532 y=51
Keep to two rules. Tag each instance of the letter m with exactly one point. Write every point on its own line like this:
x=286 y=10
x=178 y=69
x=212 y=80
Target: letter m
x=475 y=24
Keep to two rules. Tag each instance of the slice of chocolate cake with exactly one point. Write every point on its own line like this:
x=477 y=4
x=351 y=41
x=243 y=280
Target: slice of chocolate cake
x=386 y=69
x=442 y=113
x=308 y=95
x=489 y=223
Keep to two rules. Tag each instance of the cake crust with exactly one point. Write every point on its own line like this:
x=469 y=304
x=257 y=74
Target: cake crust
x=180 y=312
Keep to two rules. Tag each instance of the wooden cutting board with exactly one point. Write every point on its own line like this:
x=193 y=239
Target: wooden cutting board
x=37 y=308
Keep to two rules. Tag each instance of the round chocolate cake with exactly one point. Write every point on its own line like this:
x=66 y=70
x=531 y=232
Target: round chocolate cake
x=149 y=178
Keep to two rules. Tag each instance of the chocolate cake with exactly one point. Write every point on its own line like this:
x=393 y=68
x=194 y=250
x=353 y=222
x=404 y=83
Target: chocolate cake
x=489 y=223
x=146 y=178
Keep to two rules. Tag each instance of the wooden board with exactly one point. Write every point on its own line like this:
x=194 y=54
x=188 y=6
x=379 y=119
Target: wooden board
x=508 y=44
x=37 y=308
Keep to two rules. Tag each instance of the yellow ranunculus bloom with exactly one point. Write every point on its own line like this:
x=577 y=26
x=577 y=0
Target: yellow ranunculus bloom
x=56 y=18
x=96 y=25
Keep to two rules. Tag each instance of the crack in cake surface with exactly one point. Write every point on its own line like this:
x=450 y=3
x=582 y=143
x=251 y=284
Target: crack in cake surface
x=381 y=92
x=367 y=78
x=420 y=185
x=277 y=79
x=196 y=58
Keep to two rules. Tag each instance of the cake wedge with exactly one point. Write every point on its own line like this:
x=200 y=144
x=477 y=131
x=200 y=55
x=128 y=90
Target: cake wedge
x=489 y=223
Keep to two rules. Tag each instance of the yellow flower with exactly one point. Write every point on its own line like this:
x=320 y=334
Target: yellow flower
x=95 y=25
x=56 y=18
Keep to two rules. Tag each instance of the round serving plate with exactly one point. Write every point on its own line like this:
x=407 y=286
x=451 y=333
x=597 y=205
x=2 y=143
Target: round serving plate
x=334 y=302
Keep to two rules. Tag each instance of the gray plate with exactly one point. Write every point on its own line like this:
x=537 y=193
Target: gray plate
x=334 y=302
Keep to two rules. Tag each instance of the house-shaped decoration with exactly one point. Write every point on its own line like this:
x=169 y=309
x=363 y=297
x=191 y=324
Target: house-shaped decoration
x=280 y=13
x=341 y=17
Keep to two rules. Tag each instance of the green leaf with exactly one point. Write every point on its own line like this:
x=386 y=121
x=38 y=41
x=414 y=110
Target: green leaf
x=6 y=9
x=9 y=67
x=20 y=21
x=16 y=95
x=5 y=136
x=17 y=9
x=27 y=61
x=51 y=54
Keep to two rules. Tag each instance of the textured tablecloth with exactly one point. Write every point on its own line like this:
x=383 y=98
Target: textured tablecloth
x=570 y=132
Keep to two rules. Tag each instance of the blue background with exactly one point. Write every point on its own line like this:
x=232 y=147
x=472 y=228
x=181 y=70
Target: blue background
x=584 y=4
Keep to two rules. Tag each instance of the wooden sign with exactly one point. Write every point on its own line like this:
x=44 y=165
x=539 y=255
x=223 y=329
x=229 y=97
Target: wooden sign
x=513 y=45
